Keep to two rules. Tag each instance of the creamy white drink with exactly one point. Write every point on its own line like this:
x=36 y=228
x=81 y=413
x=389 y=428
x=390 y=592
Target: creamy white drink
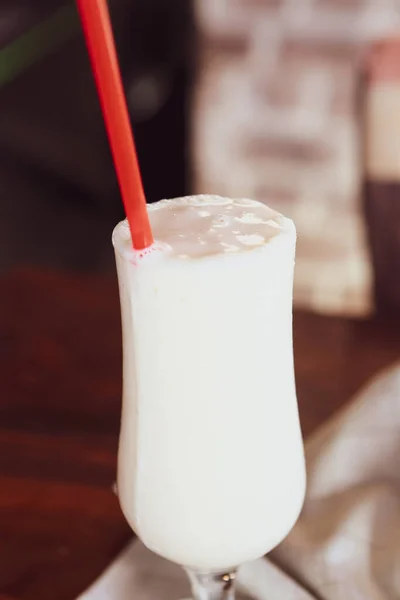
x=211 y=470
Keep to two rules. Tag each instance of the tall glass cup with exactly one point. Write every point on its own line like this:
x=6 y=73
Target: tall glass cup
x=210 y=467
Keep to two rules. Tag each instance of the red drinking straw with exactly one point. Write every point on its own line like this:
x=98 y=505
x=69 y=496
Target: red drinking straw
x=101 y=46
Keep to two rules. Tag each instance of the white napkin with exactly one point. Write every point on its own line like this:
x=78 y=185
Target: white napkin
x=346 y=544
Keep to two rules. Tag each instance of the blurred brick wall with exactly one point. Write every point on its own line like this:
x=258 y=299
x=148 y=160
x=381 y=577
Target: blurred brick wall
x=277 y=117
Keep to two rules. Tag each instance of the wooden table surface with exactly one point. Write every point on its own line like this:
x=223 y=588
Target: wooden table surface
x=60 y=523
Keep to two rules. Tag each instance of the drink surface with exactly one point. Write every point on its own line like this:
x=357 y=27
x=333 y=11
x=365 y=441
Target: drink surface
x=210 y=469
x=201 y=226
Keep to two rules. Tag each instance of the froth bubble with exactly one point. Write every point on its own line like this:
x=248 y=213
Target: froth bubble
x=151 y=253
x=157 y=205
x=251 y=240
x=229 y=247
x=221 y=221
x=217 y=200
x=246 y=202
x=273 y=223
x=124 y=230
x=203 y=200
x=249 y=218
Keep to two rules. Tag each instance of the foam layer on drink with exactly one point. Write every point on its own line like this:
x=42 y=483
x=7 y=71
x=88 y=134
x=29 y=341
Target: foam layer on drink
x=201 y=226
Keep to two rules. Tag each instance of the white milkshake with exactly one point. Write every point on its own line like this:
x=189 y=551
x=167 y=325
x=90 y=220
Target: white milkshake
x=211 y=470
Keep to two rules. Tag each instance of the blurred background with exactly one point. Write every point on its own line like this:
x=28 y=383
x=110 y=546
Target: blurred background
x=278 y=100
x=60 y=197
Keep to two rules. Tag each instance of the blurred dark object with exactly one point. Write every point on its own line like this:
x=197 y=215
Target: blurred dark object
x=382 y=164
x=156 y=59
x=60 y=197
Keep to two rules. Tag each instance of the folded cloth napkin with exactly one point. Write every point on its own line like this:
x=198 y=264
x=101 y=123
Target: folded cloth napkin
x=346 y=543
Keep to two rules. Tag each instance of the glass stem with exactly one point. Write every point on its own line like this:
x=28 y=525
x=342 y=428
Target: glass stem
x=212 y=586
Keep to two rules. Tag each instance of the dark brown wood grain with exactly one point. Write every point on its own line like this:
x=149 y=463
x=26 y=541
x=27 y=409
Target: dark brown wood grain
x=60 y=523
